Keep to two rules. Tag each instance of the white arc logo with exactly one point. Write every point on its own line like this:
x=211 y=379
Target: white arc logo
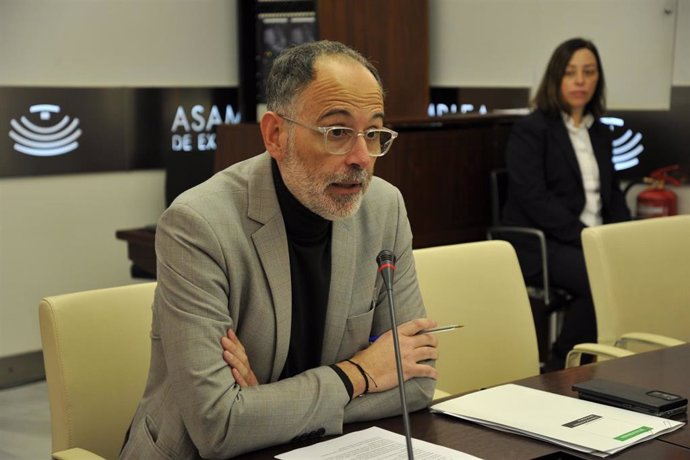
x=627 y=147
x=47 y=141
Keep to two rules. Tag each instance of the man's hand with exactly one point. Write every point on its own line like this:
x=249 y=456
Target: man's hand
x=236 y=357
x=378 y=360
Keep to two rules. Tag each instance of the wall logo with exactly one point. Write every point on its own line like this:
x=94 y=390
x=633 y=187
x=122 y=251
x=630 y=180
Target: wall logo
x=627 y=147
x=198 y=134
x=440 y=109
x=45 y=141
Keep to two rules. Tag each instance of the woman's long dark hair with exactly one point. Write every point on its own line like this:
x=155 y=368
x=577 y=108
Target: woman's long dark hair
x=549 y=98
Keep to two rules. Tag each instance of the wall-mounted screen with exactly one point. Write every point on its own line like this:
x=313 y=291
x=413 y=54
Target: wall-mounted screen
x=275 y=32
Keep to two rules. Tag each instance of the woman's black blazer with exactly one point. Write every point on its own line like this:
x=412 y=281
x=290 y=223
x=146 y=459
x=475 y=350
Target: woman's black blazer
x=545 y=187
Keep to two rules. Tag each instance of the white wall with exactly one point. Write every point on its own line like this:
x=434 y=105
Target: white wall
x=681 y=62
x=507 y=43
x=57 y=233
x=118 y=43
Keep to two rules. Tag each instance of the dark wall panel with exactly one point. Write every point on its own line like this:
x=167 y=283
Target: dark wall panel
x=83 y=130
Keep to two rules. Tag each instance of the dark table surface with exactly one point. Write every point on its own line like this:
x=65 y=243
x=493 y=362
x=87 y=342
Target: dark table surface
x=667 y=369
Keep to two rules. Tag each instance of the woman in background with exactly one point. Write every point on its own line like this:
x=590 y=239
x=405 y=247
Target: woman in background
x=561 y=180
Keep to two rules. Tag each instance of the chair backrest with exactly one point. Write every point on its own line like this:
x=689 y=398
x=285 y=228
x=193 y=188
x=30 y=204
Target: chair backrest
x=480 y=286
x=499 y=193
x=96 y=349
x=639 y=273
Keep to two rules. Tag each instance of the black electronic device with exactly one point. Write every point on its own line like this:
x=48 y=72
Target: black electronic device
x=645 y=400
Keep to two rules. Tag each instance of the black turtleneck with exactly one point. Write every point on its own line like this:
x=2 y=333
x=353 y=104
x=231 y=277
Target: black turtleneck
x=309 y=244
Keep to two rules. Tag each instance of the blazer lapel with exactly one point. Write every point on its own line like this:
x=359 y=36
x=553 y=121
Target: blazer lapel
x=343 y=247
x=270 y=242
x=602 y=153
x=563 y=140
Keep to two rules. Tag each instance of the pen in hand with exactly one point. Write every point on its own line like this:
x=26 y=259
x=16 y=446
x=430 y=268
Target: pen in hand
x=448 y=327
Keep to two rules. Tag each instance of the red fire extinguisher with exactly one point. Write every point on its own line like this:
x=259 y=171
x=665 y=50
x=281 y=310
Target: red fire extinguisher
x=656 y=200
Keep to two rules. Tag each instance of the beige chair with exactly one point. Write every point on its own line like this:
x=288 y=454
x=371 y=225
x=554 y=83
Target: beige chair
x=96 y=349
x=480 y=286
x=639 y=273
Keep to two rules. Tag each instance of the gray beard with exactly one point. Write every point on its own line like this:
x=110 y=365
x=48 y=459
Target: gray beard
x=310 y=189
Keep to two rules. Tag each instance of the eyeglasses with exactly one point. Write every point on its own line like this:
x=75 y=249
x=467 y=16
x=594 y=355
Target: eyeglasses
x=339 y=140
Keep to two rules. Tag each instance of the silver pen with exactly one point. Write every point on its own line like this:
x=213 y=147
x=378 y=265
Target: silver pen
x=448 y=327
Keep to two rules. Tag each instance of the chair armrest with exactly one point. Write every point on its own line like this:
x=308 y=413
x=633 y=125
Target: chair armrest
x=539 y=235
x=511 y=229
x=648 y=338
x=597 y=349
x=76 y=453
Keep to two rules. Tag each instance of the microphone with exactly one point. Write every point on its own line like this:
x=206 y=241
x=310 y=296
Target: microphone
x=386 y=263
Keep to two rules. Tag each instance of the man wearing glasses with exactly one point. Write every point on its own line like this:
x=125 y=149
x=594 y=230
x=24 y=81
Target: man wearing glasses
x=276 y=255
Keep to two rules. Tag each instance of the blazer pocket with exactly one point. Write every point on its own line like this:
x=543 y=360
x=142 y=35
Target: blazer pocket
x=151 y=430
x=356 y=336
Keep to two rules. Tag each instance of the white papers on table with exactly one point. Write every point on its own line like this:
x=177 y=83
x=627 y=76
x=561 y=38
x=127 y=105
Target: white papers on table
x=574 y=423
x=373 y=444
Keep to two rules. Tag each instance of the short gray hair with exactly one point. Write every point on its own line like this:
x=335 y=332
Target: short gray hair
x=293 y=70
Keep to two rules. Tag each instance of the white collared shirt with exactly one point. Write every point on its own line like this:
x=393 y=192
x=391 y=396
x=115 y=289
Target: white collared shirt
x=584 y=152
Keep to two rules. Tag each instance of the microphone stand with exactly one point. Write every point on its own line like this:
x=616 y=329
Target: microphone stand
x=386 y=261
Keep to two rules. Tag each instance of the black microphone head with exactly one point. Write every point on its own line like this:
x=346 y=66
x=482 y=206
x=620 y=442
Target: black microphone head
x=385 y=257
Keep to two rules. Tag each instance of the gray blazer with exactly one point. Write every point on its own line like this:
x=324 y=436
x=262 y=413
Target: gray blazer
x=223 y=263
